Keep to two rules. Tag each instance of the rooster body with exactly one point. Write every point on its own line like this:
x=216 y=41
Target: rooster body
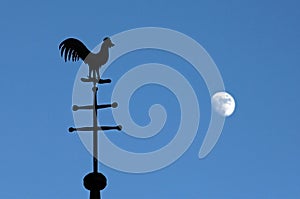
x=72 y=50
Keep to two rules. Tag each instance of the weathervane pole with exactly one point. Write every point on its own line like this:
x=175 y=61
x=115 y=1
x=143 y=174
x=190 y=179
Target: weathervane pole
x=95 y=131
x=95 y=181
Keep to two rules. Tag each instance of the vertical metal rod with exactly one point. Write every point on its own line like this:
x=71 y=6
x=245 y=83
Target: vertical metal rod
x=95 y=131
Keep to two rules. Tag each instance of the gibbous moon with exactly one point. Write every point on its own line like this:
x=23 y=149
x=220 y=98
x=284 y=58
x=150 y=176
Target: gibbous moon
x=223 y=103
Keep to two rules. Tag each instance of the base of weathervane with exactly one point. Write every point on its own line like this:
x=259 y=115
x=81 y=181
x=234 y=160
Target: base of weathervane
x=94 y=182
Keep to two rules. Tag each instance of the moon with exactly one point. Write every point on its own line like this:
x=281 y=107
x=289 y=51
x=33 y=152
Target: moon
x=223 y=103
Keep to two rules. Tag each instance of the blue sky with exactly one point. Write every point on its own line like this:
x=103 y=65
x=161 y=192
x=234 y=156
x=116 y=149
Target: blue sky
x=255 y=45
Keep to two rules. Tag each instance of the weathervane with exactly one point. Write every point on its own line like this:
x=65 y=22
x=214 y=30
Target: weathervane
x=72 y=50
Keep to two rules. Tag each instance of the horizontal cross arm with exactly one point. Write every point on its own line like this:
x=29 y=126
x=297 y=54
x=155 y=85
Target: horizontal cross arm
x=89 y=107
x=99 y=128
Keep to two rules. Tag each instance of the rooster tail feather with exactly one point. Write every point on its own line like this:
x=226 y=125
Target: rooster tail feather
x=72 y=49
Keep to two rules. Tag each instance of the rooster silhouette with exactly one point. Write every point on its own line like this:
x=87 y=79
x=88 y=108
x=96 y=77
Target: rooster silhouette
x=72 y=49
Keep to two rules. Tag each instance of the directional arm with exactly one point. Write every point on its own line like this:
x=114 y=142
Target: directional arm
x=113 y=105
x=76 y=108
x=99 y=128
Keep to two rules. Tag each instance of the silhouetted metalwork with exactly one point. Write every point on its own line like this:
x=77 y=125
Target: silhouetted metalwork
x=73 y=49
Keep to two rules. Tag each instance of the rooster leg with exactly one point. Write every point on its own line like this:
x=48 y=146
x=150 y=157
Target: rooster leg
x=98 y=74
x=90 y=73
